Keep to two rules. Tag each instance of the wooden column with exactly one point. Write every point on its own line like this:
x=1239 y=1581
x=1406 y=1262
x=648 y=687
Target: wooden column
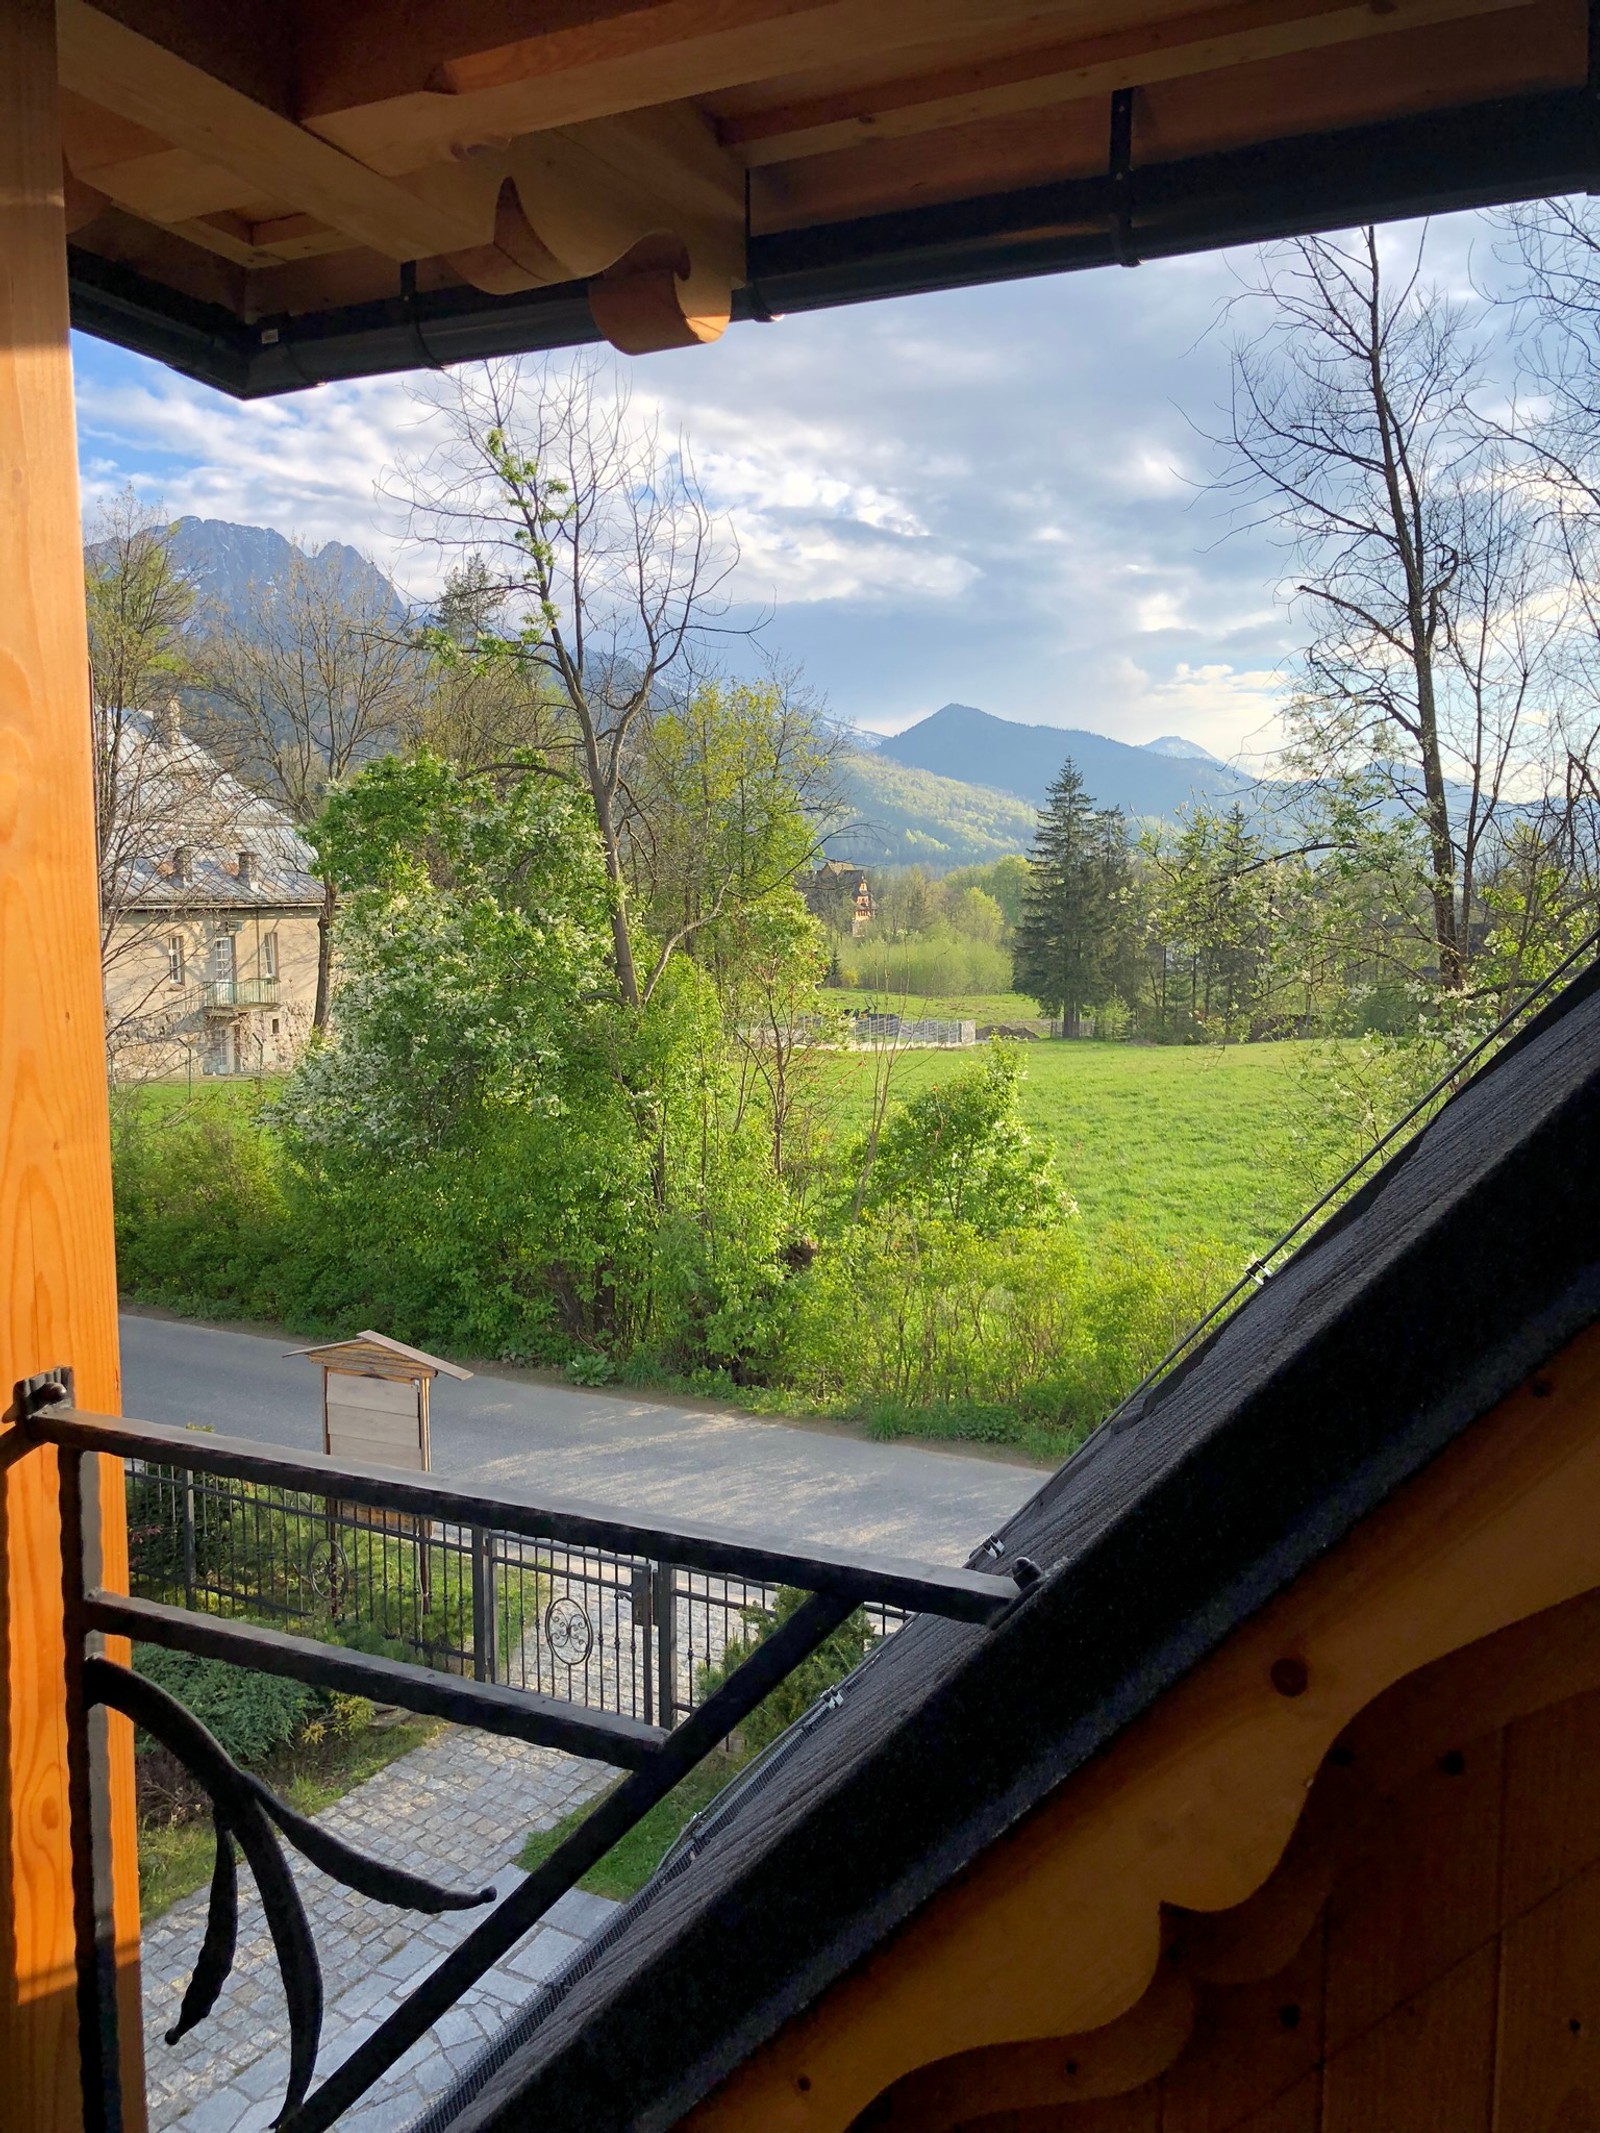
x=57 y=1277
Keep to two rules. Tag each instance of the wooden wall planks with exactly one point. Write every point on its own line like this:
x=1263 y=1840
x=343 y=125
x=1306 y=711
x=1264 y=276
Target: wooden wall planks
x=1450 y=1984
x=57 y=1280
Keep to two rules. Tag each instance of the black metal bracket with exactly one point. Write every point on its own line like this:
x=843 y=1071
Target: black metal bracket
x=30 y=1397
x=244 y=1810
x=1120 y=167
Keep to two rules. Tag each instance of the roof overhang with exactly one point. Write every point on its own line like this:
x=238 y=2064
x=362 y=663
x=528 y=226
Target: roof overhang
x=444 y=197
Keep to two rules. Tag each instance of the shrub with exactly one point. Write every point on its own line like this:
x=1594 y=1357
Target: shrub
x=251 y=1714
x=833 y=1659
x=905 y=1312
x=201 y=1217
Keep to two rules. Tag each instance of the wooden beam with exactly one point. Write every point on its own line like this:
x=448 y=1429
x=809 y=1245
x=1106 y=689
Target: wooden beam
x=1028 y=81
x=141 y=80
x=172 y=186
x=625 y=60
x=1057 y=1928
x=57 y=1278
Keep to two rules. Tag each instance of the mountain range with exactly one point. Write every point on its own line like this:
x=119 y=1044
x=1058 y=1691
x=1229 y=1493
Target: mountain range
x=959 y=788
x=974 y=746
x=229 y=566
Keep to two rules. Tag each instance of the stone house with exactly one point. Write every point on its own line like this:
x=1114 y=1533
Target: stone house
x=210 y=916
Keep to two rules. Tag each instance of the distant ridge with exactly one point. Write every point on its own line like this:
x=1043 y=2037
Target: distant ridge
x=1175 y=744
x=959 y=741
x=226 y=563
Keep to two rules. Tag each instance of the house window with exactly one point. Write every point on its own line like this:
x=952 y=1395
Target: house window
x=175 y=957
x=222 y=958
x=269 y=955
x=274 y=1025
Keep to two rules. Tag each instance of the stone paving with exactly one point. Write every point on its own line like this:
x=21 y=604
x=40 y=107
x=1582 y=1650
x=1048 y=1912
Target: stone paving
x=458 y=1809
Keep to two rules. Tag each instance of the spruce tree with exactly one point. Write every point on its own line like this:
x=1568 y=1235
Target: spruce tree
x=1066 y=910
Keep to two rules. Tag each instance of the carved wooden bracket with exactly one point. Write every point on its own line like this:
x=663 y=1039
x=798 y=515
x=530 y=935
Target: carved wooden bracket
x=574 y=206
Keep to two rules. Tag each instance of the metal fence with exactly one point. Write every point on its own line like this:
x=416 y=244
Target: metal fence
x=643 y=1638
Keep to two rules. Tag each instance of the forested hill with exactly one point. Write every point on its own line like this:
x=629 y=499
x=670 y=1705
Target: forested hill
x=904 y=817
x=976 y=747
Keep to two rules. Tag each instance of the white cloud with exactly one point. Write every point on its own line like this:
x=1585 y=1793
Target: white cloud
x=996 y=496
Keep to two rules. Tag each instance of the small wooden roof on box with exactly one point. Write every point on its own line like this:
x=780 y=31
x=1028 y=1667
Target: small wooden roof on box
x=375 y=1399
x=376 y=1355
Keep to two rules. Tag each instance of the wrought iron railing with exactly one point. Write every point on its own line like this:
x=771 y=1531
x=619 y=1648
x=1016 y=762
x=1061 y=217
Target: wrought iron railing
x=613 y=1631
x=224 y=994
x=435 y=1537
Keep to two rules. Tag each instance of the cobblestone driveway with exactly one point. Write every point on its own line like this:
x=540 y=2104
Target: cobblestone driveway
x=456 y=1809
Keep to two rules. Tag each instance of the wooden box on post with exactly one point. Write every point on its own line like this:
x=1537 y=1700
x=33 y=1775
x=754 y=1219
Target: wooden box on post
x=375 y=1413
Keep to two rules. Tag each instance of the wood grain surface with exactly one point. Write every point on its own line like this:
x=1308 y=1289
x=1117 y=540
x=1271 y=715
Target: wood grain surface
x=57 y=1278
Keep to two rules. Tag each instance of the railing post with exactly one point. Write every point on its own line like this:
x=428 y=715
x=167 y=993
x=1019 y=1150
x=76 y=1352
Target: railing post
x=188 y=1540
x=89 y=1805
x=485 y=1614
x=665 y=1610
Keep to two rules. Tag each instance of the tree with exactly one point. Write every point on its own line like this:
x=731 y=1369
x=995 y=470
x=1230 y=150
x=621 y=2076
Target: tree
x=1355 y=436
x=1077 y=875
x=729 y=797
x=480 y=713
x=152 y=792
x=1211 y=910
x=316 y=677
x=597 y=549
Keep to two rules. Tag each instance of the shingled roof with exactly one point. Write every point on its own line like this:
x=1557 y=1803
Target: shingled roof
x=1464 y=1264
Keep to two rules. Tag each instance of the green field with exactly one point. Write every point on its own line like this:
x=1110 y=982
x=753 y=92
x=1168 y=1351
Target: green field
x=1187 y=1143
x=1184 y=1142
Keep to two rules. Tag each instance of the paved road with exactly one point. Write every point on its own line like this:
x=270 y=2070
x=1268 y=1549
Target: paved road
x=513 y=1428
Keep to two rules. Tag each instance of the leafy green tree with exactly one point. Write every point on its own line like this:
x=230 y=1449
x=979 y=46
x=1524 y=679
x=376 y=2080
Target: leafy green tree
x=1070 y=941
x=960 y=1151
x=1211 y=908
x=728 y=798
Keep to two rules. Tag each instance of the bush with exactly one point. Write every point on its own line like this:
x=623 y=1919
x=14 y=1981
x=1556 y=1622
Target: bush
x=833 y=1659
x=202 y=1223
x=251 y=1714
x=1025 y=1328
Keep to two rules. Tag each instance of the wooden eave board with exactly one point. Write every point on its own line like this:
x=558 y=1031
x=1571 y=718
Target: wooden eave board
x=316 y=194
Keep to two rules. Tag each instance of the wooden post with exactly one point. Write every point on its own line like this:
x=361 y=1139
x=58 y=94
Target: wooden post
x=57 y=1277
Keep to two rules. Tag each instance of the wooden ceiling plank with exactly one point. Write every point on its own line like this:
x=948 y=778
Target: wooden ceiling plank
x=1227 y=36
x=664 y=53
x=141 y=80
x=171 y=186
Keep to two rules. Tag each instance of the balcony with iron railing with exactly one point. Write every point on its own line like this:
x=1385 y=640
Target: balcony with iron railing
x=224 y=996
x=626 y=1641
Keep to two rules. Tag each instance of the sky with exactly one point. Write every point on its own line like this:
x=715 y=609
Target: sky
x=999 y=496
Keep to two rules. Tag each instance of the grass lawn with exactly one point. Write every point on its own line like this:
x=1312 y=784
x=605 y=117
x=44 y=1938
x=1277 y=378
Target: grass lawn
x=176 y=1858
x=629 y=1864
x=1185 y=1142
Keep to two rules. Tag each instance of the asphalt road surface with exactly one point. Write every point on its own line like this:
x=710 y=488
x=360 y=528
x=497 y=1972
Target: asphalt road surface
x=619 y=1449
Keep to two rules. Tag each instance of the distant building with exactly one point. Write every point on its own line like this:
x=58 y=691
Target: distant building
x=838 y=894
x=210 y=913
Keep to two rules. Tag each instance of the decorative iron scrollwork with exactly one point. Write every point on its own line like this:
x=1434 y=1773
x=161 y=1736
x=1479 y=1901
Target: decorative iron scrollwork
x=568 y=1630
x=328 y=1572
x=246 y=1812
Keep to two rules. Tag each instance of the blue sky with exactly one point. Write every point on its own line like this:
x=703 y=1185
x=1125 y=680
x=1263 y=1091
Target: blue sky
x=995 y=496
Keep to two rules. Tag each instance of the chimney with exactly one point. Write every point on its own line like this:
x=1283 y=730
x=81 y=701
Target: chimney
x=247 y=869
x=167 y=723
x=182 y=854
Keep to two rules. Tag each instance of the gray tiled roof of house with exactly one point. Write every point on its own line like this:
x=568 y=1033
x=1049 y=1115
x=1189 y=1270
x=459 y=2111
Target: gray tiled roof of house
x=180 y=797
